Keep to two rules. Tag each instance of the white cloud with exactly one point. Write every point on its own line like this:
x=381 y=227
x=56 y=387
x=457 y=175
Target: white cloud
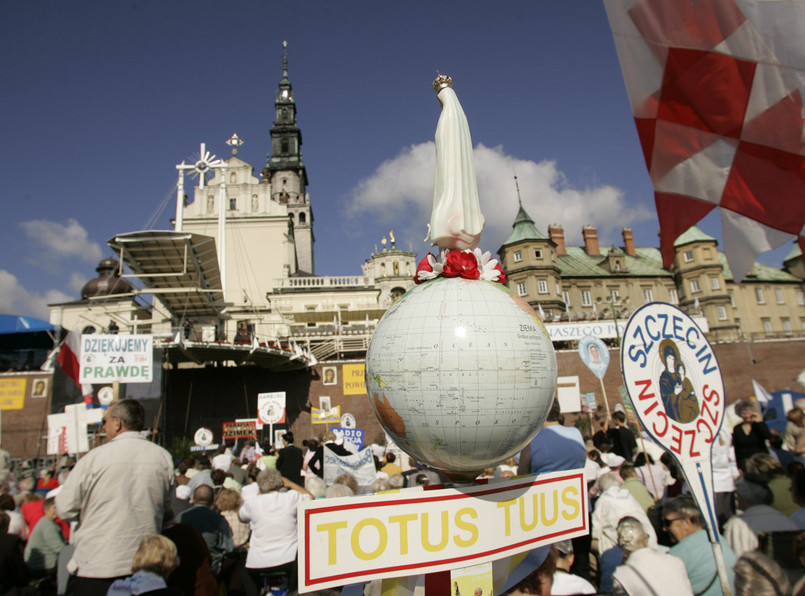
x=77 y=281
x=57 y=242
x=399 y=193
x=15 y=299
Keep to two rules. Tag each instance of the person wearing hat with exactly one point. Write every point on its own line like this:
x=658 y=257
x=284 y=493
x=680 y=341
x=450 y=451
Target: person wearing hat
x=646 y=571
x=565 y=582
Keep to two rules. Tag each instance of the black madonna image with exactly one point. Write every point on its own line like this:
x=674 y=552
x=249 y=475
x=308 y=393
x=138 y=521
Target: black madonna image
x=676 y=389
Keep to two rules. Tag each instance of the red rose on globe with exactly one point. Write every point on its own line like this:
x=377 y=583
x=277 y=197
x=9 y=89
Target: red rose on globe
x=502 y=276
x=461 y=264
x=424 y=265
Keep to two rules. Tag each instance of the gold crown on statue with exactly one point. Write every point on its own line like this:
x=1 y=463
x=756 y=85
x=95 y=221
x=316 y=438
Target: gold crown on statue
x=441 y=81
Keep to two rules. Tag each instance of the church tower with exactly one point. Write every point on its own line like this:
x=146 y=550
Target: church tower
x=286 y=173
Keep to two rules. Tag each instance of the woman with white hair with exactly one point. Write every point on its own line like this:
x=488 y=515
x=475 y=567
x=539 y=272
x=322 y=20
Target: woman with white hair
x=613 y=504
x=272 y=515
x=646 y=571
x=757 y=574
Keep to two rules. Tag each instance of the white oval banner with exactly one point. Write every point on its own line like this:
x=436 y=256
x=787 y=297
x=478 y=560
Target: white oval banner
x=674 y=382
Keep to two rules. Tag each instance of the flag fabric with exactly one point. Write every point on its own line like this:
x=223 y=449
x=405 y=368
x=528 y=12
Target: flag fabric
x=68 y=360
x=761 y=395
x=716 y=89
x=541 y=312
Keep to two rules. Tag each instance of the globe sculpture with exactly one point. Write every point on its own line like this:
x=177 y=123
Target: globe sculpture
x=461 y=374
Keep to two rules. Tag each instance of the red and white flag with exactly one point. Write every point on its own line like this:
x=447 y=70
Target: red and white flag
x=716 y=89
x=68 y=359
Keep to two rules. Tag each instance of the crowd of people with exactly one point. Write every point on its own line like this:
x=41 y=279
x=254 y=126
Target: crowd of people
x=648 y=535
x=127 y=518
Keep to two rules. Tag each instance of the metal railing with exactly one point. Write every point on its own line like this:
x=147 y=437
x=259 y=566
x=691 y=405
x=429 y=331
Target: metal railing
x=338 y=281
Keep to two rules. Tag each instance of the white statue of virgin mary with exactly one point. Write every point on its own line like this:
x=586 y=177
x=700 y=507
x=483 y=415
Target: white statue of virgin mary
x=456 y=221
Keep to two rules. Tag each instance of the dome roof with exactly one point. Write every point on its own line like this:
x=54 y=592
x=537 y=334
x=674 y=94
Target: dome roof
x=108 y=282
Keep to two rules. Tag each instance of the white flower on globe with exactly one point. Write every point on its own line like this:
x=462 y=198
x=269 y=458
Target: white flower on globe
x=437 y=266
x=487 y=265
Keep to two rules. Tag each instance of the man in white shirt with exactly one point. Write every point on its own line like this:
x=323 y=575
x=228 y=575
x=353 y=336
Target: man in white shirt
x=117 y=493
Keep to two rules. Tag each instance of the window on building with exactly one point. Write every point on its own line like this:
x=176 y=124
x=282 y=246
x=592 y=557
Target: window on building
x=233 y=178
x=302 y=218
x=521 y=289
x=766 y=326
x=673 y=296
x=537 y=253
x=233 y=204
x=786 y=325
x=714 y=285
x=542 y=286
x=688 y=256
x=586 y=298
x=722 y=313
x=284 y=146
x=566 y=297
x=617 y=265
x=802 y=323
x=732 y=299
x=518 y=256
x=759 y=295
x=801 y=298
x=648 y=296
x=694 y=286
x=615 y=295
x=778 y=294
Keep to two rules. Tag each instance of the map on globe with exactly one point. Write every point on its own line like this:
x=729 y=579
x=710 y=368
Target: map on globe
x=461 y=373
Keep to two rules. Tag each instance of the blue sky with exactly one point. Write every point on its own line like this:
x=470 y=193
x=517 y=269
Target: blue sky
x=101 y=100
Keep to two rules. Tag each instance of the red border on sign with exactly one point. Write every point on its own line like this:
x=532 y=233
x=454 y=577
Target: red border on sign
x=423 y=567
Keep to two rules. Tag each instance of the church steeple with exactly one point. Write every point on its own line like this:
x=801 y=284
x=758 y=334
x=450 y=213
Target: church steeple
x=286 y=138
x=286 y=173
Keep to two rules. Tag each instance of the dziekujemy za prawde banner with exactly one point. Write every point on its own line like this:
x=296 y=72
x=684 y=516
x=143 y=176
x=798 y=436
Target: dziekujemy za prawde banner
x=411 y=532
x=674 y=382
x=110 y=358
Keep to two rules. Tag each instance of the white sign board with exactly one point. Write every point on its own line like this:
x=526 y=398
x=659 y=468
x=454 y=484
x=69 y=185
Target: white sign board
x=67 y=432
x=674 y=382
x=123 y=358
x=361 y=465
x=357 y=539
x=270 y=408
x=568 y=394
x=602 y=329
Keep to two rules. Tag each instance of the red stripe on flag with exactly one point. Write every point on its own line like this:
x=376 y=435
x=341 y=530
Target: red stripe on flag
x=706 y=90
x=676 y=213
x=761 y=186
x=688 y=24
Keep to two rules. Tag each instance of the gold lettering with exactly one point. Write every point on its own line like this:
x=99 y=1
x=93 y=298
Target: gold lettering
x=382 y=542
x=425 y=533
x=469 y=527
x=331 y=529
